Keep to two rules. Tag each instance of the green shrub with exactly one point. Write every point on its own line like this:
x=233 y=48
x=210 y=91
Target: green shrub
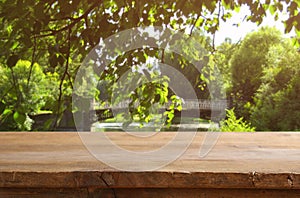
x=234 y=124
x=20 y=98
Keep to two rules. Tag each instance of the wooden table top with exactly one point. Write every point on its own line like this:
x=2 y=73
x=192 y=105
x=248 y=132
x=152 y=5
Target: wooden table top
x=238 y=160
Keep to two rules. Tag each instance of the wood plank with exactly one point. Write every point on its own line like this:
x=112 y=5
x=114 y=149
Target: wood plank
x=265 y=160
x=146 y=192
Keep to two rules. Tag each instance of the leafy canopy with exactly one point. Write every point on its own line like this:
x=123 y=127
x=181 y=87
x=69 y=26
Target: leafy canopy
x=247 y=65
x=277 y=100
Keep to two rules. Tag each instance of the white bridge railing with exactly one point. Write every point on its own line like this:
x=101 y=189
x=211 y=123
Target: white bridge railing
x=186 y=105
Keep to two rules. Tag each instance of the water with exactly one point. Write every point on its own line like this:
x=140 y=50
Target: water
x=135 y=126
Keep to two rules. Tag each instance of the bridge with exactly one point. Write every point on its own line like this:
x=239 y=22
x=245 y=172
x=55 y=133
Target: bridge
x=188 y=104
x=190 y=108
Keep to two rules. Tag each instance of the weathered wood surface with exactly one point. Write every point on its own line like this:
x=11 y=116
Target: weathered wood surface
x=58 y=164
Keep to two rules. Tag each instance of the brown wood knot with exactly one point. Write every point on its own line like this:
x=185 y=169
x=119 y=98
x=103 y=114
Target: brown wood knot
x=254 y=177
x=290 y=180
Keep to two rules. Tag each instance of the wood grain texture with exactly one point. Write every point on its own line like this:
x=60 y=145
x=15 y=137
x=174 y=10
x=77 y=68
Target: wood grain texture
x=266 y=163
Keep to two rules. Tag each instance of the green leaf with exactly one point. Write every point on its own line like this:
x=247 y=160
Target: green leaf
x=237 y=9
x=9 y=29
x=6 y=112
x=272 y=9
x=5 y=115
x=20 y=118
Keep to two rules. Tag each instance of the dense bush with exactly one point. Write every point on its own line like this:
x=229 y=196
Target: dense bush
x=234 y=124
x=21 y=95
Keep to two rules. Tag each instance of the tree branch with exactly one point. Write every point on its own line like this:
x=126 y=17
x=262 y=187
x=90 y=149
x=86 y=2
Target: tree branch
x=214 y=35
x=17 y=88
x=72 y=24
x=194 y=24
x=32 y=61
x=62 y=81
